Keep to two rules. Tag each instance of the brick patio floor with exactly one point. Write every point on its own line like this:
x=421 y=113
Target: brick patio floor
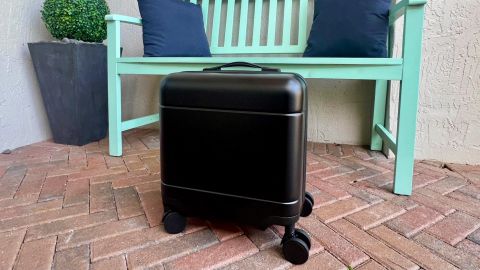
x=67 y=207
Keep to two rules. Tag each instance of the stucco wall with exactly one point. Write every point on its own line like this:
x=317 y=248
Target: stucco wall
x=448 y=126
x=449 y=113
x=22 y=114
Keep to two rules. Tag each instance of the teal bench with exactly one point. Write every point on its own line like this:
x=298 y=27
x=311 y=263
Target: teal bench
x=405 y=69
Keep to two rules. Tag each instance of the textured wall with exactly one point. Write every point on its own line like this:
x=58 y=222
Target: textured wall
x=22 y=115
x=448 y=126
x=449 y=113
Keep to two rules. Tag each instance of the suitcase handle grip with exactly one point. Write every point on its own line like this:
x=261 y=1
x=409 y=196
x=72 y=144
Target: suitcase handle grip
x=241 y=64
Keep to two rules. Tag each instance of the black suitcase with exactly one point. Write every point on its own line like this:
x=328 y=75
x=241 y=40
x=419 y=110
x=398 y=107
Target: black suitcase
x=233 y=147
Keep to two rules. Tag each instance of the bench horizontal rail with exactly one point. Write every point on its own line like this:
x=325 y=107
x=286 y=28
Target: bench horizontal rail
x=141 y=121
x=266 y=60
x=327 y=71
x=387 y=137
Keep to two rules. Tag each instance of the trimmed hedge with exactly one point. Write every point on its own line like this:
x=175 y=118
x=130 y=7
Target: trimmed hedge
x=76 y=19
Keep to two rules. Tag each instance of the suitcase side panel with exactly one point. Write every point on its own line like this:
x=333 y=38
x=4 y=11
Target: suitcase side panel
x=258 y=156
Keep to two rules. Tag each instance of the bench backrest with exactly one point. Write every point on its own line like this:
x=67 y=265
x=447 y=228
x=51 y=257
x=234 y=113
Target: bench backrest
x=237 y=26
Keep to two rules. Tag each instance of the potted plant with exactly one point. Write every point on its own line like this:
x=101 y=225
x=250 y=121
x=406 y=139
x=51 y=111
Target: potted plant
x=72 y=71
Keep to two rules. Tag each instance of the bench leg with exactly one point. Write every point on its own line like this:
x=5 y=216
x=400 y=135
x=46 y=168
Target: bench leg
x=378 y=113
x=407 y=122
x=114 y=90
x=408 y=104
x=115 y=115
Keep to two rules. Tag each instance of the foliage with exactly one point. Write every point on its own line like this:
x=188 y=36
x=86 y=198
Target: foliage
x=76 y=19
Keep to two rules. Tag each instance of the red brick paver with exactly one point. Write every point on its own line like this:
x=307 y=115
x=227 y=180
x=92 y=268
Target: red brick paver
x=371 y=265
x=469 y=247
x=334 y=243
x=217 y=255
x=117 y=263
x=10 y=243
x=376 y=215
x=454 y=255
x=73 y=258
x=421 y=255
x=170 y=250
x=153 y=207
x=68 y=207
x=37 y=254
x=225 y=230
x=271 y=258
x=322 y=261
x=101 y=197
x=376 y=249
x=262 y=239
x=454 y=228
x=87 y=235
x=415 y=220
x=53 y=188
x=340 y=209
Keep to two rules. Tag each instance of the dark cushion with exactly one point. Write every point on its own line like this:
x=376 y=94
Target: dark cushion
x=349 y=28
x=173 y=28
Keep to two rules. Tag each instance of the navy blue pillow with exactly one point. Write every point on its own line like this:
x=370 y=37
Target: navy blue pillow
x=349 y=28
x=173 y=28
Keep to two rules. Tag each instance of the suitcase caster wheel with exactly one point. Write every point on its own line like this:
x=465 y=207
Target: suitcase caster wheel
x=304 y=236
x=307 y=205
x=295 y=250
x=173 y=222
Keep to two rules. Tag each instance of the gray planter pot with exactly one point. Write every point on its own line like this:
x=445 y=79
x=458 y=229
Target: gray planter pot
x=73 y=83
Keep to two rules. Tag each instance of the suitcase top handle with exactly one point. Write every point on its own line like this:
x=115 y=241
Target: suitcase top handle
x=242 y=64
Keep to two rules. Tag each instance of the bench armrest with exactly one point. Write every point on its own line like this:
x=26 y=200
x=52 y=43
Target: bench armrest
x=417 y=2
x=398 y=9
x=123 y=19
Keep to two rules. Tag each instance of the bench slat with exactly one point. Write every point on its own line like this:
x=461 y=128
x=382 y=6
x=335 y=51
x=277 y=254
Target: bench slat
x=242 y=32
x=302 y=24
x=391 y=40
x=287 y=22
x=205 y=13
x=257 y=22
x=217 y=12
x=229 y=24
x=272 y=20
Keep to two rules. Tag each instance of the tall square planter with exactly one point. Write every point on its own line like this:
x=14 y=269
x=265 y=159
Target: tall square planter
x=73 y=82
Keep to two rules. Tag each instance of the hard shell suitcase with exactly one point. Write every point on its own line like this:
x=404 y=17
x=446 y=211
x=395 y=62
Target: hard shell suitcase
x=233 y=147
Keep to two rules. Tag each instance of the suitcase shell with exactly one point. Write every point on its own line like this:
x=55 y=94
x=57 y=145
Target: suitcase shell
x=233 y=145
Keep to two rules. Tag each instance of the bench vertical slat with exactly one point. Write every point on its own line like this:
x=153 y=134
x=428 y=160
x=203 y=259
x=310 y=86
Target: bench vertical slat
x=391 y=40
x=229 y=24
x=302 y=23
x=272 y=20
x=242 y=32
x=217 y=12
x=205 y=13
x=287 y=22
x=257 y=23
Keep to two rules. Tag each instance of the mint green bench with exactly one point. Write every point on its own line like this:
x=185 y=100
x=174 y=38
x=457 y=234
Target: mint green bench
x=382 y=70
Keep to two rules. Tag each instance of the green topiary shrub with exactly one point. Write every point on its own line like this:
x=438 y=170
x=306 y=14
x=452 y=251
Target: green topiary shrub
x=76 y=19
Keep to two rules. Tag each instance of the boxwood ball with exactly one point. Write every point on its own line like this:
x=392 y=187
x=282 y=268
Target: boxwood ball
x=76 y=19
